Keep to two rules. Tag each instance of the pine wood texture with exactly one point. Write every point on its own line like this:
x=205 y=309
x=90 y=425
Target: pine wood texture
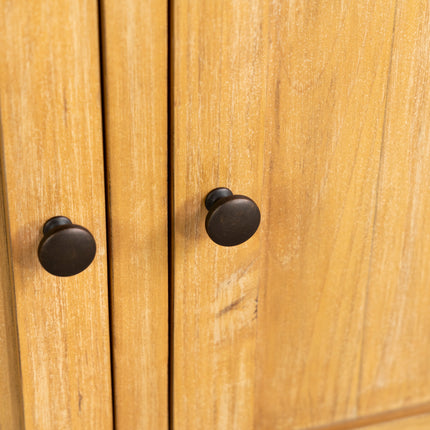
x=421 y=422
x=11 y=411
x=409 y=414
x=218 y=80
x=53 y=161
x=135 y=84
x=320 y=112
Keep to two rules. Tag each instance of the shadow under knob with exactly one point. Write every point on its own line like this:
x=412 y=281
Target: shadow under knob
x=66 y=249
x=232 y=219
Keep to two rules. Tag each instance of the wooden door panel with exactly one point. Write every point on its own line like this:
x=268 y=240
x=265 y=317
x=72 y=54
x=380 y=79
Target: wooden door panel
x=135 y=101
x=11 y=410
x=52 y=161
x=219 y=96
x=396 y=353
x=420 y=422
x=319 y=111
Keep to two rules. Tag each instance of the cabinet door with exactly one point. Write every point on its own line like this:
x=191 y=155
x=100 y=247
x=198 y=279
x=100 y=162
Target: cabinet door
x=320 y=112
x=134 y=41
x=55 y=358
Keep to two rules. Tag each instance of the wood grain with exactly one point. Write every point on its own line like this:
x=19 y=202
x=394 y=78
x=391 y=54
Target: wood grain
x=395 y=366
x=53 y=161
x=135 y=84
x=319 y=111
x=11 y=410
x=386 y=417
x=219 y=68
x=420 y=422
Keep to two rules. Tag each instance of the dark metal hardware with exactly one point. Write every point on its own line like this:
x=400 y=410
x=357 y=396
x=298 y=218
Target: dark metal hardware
x=232 y=219
x=66 y=249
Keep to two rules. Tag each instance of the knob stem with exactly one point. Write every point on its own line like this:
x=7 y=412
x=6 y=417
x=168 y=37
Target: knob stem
x=215 y=195
x=55 y=222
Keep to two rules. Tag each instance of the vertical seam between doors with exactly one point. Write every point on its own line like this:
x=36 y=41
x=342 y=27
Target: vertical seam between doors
x=6 y=226
x=171 y=206
x=101 y=29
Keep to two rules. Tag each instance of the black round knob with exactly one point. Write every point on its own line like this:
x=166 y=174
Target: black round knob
x=232 y=219
x=66 y=249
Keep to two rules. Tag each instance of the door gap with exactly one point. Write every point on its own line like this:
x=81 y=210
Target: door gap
x=171 y=205
x=101 y=30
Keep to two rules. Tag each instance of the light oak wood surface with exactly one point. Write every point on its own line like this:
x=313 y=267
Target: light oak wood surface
x=417 y=413
x=53 y=165
x=135 y=84
x=420 y=422
x=218 y=90
x=319 y=111
x=11 y=409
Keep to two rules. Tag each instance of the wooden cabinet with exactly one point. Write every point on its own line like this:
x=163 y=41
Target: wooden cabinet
x=123 y=117
x=56 y=366
x=135 y=95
